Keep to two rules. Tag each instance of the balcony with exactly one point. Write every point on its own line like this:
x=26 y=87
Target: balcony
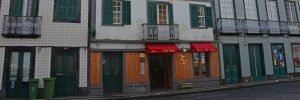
x=22 y=26
x=232 y=26
x=160 y=32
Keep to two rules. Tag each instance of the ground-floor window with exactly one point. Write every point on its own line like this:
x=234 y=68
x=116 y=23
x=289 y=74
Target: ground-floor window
x=296 y=54
x=278 y=55
x=201 y=64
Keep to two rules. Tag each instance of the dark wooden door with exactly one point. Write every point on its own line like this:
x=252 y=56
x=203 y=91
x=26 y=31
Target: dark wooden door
x=232 y=63
x=256 y=62
x=279 y=63
x=65 y=72
x=19 y=71
x=112 y=72
x=160 y=67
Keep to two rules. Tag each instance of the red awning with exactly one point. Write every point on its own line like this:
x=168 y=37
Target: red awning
x=161 y=48
x=203 y=47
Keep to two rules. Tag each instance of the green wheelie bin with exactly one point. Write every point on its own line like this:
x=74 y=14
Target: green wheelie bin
x=33 y=89
x=49 y=86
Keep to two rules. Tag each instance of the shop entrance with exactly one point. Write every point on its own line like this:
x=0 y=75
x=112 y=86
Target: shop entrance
x=160 y=67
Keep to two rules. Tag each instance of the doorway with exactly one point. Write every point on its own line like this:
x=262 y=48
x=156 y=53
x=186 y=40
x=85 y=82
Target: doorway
x=65 y=63
x=19 y=69
x=231 y=63
x=257 y=67
x=160 y=68
x=112 y=72
x=279 y=63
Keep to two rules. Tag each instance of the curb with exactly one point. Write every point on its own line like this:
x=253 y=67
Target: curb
x=181 y=92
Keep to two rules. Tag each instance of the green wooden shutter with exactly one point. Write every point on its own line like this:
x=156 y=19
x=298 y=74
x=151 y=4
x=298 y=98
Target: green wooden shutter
x=152 y=15
x=61 y=9
x=72 y=8
x=208 y=17
x=194 y=16
x=16 y=8
x=171 y=20
x=107 y=15
x=126 y=12
x=34 y=8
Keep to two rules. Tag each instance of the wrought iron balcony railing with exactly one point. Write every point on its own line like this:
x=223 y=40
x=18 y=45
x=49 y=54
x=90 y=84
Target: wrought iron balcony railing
x=160 y=32
x=256 y=26
x=22 y=26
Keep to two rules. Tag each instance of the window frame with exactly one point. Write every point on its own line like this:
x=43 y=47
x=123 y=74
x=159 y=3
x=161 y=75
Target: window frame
x=227 y=13
x=78 y=20
x=290 y=16
x=158 y=13
x=114 y=21
x=284 y=54
x=200 y=73
x=269 y=11
x=199 y=16
x=293 y=44
x=256 y=11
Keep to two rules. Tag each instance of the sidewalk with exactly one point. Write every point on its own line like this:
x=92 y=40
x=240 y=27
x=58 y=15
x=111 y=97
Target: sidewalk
x=178 y=92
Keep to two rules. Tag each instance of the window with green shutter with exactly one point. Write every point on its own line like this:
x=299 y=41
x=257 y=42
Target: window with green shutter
x=16 y=8
x=116 y=12
x=67 y=11
x=160 y=13
x=208 y=17
x=200 y=16
x=152 y=15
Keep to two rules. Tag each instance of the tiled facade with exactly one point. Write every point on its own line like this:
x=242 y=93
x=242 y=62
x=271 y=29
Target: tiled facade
x=53 y=35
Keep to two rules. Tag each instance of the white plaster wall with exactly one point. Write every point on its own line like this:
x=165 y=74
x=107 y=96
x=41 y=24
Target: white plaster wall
x=181 y=15
x=115 y=46
x=2 y=54
x=83 y=70
x=53 y=33
x=42 y=64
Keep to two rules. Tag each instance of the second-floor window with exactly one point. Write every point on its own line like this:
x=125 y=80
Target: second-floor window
x=67 y=10
x=251 y=9
x=116 y=12
x=226 y=7
x=291 y=11
x=200 y=16
x=160 y=13
x=272 y=10
x=23 y=8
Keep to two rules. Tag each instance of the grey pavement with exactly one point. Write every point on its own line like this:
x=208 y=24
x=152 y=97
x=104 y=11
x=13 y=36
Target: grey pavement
x=280 y=91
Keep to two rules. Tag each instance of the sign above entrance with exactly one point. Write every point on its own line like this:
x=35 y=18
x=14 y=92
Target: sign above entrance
x=203 y=47
x=161 y=48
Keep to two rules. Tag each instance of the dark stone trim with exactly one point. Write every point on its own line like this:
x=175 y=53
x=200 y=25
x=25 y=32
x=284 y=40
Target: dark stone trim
x=145 y=41
x=21 y=35
x=82 y=91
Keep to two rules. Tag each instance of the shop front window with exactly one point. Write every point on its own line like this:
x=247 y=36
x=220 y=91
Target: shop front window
x=201 y=64
x=296 y=55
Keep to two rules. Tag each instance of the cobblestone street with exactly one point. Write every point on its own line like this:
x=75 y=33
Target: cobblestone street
x=281 y=91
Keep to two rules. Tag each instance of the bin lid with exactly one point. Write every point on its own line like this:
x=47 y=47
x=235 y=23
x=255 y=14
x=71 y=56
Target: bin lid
x=34 y=80
x=49 y=79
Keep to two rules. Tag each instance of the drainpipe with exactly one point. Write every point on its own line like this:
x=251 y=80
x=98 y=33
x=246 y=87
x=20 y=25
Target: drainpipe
x=89 y=45
x=217 y=39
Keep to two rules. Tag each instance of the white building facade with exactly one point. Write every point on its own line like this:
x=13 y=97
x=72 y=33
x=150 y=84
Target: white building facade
x=41 y=39
x=151 y=39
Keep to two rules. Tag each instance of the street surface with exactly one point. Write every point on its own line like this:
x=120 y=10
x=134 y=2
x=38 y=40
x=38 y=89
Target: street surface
x=281 y=91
